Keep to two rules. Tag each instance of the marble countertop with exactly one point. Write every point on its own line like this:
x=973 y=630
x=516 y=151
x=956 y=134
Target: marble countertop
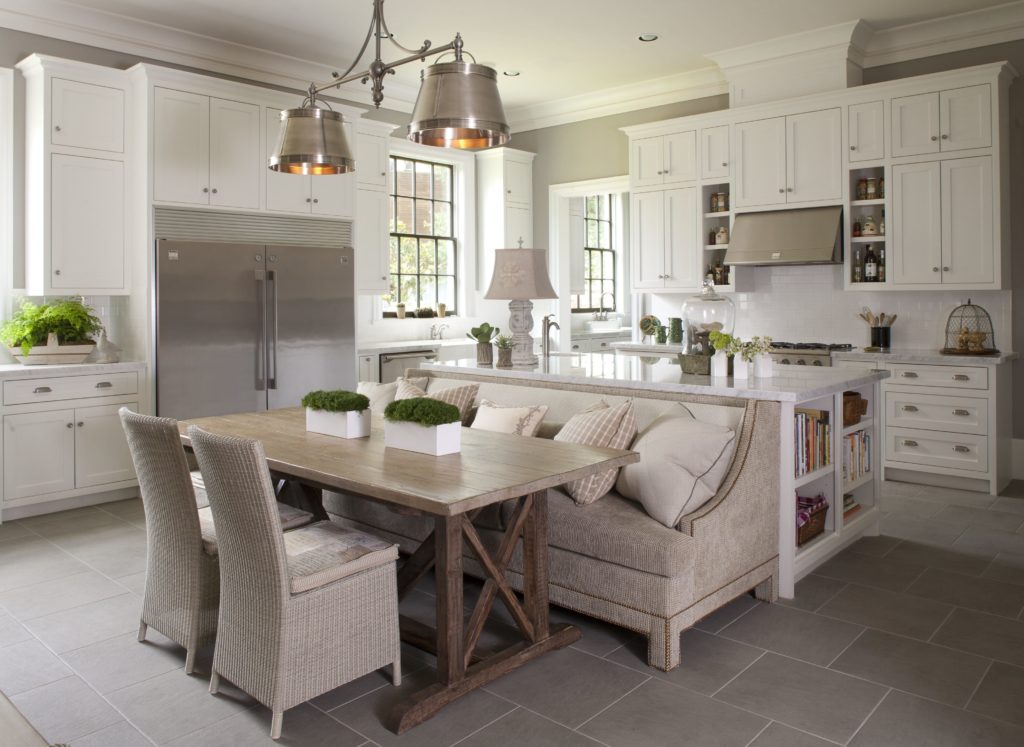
x=791 y=384
x=407 y=346
x=582 y=333
x=924 y=355
x=19 y=371
x=650 y=347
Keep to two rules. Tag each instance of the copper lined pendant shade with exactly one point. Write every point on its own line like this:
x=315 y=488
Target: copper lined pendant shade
x=459 y=107
x=312 y=141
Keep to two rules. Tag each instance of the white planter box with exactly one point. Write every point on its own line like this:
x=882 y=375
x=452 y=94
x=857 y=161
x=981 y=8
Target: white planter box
x=53 y=354
x=436 y=440
x=340 y=424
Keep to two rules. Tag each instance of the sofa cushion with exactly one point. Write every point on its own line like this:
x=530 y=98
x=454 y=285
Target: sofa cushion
x=382 y=395
x=460 y=396
x=521 y=421
x=615 y=530
x=598 y=425
x=321 y=553
x=682 y=464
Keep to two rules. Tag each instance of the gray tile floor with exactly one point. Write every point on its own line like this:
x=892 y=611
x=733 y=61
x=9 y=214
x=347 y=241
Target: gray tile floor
x=914 y=637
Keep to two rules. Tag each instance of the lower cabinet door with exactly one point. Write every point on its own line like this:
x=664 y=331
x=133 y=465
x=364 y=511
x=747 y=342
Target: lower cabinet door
x=39 y=453
x=101 y=451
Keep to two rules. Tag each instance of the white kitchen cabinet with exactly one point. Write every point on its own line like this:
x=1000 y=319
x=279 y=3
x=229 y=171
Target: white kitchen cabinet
x=504 y=203
x=814 y=156
x=333 y=194
x=85 y=115
x=372 y=252
x=714 y=152
x=39 y=453
x=372 y=158
x=518 y=227
x=955 y=119
x=866 y=124
x=664 y=245
x=968 y=251
x=916 y=225
x=663 y=159
x=368 y=368
x=519 y=183
x=76 y=194
x=87 y=224
x=206 y=150
x=760 y=163
x=101 y=451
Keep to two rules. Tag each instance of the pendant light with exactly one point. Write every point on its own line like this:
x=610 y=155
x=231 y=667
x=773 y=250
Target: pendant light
x=458 y=106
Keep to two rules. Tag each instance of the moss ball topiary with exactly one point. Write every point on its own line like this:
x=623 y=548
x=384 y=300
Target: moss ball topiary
x=336 y=401
x=422 y=410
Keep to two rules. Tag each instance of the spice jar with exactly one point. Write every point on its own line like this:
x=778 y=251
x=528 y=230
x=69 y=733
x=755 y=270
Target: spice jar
x=862 y=189
x=714 y=203
x=722 y=235
x=872 y=188
x=723 y=202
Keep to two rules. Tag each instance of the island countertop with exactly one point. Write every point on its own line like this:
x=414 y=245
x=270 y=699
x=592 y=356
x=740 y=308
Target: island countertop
x=922 y=355
x=790 y=384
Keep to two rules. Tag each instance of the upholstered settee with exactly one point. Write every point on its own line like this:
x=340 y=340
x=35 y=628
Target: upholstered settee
x=611 y=560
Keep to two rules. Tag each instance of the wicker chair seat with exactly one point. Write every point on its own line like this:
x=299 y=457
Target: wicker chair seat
x=199 y=488
x=291 y=518
x=322 y=553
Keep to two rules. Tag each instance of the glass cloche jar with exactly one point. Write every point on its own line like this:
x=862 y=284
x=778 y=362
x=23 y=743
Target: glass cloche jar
x=706 y=313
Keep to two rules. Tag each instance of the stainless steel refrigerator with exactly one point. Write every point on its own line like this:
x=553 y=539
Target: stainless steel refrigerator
x=244 y=327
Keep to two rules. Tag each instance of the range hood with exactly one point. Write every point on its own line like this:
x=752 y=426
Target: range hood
x=806 y=236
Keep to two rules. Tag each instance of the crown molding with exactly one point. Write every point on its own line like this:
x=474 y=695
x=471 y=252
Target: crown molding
x=976 y=28
x=847 y=38
x=670 y=89
x=94 y=28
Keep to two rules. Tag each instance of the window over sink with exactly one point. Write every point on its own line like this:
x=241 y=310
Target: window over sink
x=599 y=264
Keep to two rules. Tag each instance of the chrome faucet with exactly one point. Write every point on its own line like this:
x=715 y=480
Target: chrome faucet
x=437 y=331
x=545 y=342
x=601 y=314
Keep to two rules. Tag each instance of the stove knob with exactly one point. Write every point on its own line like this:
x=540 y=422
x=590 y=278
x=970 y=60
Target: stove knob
x=785 y=361
x=817 y=363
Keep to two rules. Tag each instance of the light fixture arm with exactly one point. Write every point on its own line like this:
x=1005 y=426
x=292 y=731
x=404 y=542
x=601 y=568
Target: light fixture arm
x=378 y=68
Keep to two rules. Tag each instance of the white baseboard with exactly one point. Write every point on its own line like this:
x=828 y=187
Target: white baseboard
x=1018 y=459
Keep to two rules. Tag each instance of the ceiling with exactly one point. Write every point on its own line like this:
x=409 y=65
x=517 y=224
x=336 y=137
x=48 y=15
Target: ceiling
x=561 y=48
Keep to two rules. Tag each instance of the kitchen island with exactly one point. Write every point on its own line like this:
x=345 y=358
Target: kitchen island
x=807 y=397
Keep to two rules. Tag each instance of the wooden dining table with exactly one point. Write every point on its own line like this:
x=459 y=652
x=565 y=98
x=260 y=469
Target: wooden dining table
x=490 y=468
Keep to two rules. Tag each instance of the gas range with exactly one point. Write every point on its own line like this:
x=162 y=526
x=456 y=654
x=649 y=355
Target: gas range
x=805 y=353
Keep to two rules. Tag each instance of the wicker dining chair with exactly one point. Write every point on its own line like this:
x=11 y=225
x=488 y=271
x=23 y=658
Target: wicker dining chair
x=182 y=573
x=302 y=612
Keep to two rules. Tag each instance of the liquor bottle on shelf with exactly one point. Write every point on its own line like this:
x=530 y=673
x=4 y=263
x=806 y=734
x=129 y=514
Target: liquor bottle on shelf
x=870 y=265
x=881 y=264
x=857 y=276
x=881 y=226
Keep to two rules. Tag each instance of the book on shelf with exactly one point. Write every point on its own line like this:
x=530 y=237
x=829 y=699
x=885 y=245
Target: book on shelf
x=856 y=455
x=850 y=506
x=812 y=435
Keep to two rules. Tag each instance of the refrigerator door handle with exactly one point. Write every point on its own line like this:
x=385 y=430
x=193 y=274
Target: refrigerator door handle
x=272 y=369
x=261 y=335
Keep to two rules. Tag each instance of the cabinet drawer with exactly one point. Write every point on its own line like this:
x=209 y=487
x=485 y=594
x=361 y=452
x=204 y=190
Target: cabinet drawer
x=952 y=377
x=938 y=413
x=952 y=450
x=26 y=391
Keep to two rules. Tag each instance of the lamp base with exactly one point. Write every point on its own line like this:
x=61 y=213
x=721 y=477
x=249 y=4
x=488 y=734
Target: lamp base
x=521 y=323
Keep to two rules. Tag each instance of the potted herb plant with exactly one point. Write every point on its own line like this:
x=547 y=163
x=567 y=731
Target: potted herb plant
x=484 y=336
x=49 y=333
x=337 y=413
x=504 y=345
x=422 y=424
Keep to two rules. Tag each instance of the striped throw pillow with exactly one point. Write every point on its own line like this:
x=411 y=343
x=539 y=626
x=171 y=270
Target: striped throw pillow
x=462 y=397
x=611 y=427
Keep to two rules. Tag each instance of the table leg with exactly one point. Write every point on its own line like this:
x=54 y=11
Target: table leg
x=535 y=565
x=448 y=564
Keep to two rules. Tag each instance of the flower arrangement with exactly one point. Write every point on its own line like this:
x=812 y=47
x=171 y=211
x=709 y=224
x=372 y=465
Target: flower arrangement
x=757 y=346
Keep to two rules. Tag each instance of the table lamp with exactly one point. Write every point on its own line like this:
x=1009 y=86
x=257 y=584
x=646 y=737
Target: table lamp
x=521 y=275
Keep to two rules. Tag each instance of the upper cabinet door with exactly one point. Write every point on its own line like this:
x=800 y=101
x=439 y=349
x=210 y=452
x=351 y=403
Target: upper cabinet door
x=646 y=161
x=867 y=128
x=916 y=231
x=518 y=226
x=235 y=155
x=760 y=159
x=680 y=153
x=714 y=152
x=518 y=182
x=181 y=147
x=371 y=160
x=813 y=156
x=683 y=249
x=968 y=254
x=965 y=118
x=84 y=115
x=87 y=243
x=372 y=241
x=647 y=240
x=286 y=192
x=915 y=125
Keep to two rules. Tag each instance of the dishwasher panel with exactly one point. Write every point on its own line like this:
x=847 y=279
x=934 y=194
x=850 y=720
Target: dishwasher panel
x=393 y=365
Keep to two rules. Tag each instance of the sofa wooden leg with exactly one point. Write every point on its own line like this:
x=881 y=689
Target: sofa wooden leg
x=768 y=590
x=663 y=645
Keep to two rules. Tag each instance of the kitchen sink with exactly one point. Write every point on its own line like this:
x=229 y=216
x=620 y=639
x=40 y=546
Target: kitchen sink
x=608 y=325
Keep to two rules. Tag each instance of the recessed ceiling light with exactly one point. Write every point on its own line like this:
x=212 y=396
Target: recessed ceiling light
x=512 y=73
x=648 y=37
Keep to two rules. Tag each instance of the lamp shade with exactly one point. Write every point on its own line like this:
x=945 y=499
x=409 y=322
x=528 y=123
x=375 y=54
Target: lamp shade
x=459 y=107
x=520 y=275
x=312 y=141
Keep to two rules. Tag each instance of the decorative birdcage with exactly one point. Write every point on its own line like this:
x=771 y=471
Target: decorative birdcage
x=969 y=331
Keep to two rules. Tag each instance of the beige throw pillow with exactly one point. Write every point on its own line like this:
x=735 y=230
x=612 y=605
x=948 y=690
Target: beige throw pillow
x=522 y=421
x=682 y=464
x=381 y=395
x=460 y=396
x=611 y=427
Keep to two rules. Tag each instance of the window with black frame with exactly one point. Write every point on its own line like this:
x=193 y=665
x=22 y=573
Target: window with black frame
x=423 y=246
x=599 y=256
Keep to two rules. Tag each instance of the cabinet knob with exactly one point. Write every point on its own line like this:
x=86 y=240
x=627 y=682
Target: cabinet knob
x=80 y=423
x=961 y=449
x=961 y=413
x=788 y=189
x=205 y=190
x=725 y=163
x=853 y=147
x=781 y=191
x=316 y=200
x=945 y=269
x=383 y=277
x=935 y=269
x=70 y=425
x=934 y=137
x=57 y=128
x=56 y=272
x=383 y=173
x=309 y=199
x=945 y=137
x=214 y=190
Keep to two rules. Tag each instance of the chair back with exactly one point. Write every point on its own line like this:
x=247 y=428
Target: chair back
x=250 y=543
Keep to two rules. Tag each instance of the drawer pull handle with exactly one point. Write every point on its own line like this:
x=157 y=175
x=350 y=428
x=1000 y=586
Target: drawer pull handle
x=104 y=385
x=42 y=390
x=908 y=374
x=908 y=442
x=961 y=449
x=961 y=377
x=909 y=408
x=962 y=413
